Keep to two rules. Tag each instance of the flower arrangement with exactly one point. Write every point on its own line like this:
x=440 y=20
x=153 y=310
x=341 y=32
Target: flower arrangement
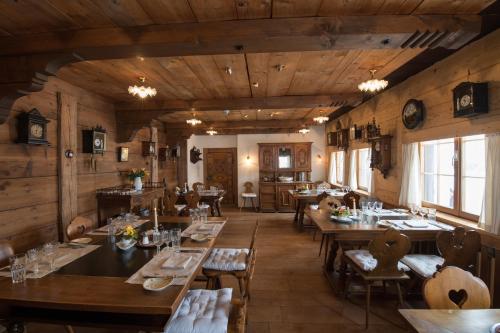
x=129 y=233
x=134 y=173
x=341 y=211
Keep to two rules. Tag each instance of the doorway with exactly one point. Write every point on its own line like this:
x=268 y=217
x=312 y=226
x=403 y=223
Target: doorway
x=220 y=167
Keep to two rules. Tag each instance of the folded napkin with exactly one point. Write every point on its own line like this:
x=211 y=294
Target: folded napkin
x=206 y=227
x=177 y=262
x=416 y=223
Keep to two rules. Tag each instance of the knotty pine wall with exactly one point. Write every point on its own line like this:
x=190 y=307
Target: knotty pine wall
x=29 y=176
x=433 y=86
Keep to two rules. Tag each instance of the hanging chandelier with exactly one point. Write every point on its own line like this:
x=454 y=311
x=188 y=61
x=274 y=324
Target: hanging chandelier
x=304 y=131
x=211 y=132
x=373 y=85
x=142 y=91
x=193 y=121
x=321 y=119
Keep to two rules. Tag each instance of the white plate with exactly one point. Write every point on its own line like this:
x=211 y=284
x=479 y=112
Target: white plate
x=199 y=237
x=341 y=218
x=125 y=247
x=157 y=284
x=84 y=240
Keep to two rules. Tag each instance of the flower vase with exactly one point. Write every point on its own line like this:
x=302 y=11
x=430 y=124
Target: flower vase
x=138 y=183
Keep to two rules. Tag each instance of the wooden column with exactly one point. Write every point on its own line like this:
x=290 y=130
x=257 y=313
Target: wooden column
x=67 y=168
x=154 y=159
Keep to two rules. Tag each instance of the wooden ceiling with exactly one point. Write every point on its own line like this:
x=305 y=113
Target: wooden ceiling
x=200 y=78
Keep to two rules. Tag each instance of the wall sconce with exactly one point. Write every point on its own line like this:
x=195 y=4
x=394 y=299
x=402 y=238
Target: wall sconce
x=248 y=160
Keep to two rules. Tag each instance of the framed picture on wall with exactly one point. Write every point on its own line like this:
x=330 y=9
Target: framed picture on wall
x=123 y=154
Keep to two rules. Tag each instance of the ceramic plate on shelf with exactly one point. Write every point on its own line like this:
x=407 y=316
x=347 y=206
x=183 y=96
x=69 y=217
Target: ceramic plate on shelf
x=199 y=237
x=158 y=283
x=342 y=219
x=84 y=240
x=126 y=246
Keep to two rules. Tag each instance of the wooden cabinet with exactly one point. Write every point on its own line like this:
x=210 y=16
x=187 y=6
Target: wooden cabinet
x=284 y=158
x=267 y=157
x=381 y=154
x=284 y=200
x=267 y=197
x=302 y=156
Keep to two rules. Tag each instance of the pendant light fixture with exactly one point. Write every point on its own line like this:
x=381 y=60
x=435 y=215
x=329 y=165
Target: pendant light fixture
x=304 y=131
x=321 y=118
x=373 y=85
x=193 y=121
x=142 y=91
x=211 y=132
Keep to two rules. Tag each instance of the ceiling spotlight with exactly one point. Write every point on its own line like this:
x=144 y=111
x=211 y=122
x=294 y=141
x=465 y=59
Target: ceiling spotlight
x=229 y=70
x=255 y=84
x=304 y=131
x=142 y=91
x=373 y=85
x=321 y=119
x=211 y=132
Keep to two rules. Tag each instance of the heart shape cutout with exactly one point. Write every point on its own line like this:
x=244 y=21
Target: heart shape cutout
x=458 y=297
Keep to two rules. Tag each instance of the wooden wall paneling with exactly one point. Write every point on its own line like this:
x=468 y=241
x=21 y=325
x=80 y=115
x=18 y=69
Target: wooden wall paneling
x=67 y=166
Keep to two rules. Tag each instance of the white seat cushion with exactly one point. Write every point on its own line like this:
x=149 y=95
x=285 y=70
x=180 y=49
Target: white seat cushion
x=227 y=259
x=202 y=311
x=249 y=195
x=423 y=264
x=366 y=262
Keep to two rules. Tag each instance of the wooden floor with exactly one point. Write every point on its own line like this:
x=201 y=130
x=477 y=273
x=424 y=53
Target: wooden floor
x=289 y=291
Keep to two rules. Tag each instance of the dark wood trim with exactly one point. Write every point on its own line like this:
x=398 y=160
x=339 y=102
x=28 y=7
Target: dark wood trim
x=244 y=124
x=234 y=152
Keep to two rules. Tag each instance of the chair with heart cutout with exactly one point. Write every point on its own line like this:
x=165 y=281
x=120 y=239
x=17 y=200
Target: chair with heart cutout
x=454 y=288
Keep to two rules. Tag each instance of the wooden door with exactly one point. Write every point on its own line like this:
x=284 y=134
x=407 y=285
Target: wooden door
x=267 y=158
x=303 y=157
x=219 y=166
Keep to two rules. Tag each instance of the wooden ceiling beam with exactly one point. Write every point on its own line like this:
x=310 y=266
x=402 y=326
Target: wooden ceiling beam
x=199 y=131
x=240 y=125
x=252 y=36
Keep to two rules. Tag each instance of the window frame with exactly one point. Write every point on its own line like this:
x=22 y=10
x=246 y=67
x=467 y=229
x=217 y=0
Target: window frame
x=358 y=168
x=457 y=194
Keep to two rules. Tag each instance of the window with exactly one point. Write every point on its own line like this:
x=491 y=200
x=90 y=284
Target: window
x=364 y=171
x=336 y=175
x=453 y=173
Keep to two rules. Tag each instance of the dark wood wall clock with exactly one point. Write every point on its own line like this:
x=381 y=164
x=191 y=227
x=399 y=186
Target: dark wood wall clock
x=470 y=99
x=32 y=128
x=94 y=141
x=413 y=113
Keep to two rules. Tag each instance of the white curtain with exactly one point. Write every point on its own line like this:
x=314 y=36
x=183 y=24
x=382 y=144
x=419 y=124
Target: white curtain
x=410 y=183
x=332 y=170
x=371 y=176
x=490 y=215
x=353 y=175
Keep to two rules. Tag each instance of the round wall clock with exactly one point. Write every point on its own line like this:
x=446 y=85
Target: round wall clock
x=413 y=113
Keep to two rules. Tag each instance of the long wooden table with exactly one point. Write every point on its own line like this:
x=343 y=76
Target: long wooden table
x=457 y=321
x=355 y=232
x=302 y=199
x=91 y=291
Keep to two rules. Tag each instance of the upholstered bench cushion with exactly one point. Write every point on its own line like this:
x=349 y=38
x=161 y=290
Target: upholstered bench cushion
x=227 y=259
x=202 y=311
x=423 y=264
x=249 y=195
x=366 y=262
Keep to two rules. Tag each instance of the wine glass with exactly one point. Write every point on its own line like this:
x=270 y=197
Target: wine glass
x=379 y=205
x=423 y=212
x=414 y=209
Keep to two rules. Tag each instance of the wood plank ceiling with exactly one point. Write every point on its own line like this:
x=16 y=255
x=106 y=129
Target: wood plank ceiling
x=207 y=77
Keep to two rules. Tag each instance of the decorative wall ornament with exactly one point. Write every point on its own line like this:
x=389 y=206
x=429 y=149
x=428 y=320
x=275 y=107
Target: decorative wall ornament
x=123 y=154
x=194 y=155
x=32 y=128
x=94 y=140
x=413 y=113
x=470 y=99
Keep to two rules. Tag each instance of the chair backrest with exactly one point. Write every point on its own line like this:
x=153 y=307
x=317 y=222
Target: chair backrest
x=454 y=288
x=321 y=196
x=388 y=248
x=170 y=200
x=6 y=251
x=195 y=185
x=248 y=187
x=329 y=203
x=349 y=199
x=459 y=247
x=192 y=199
x=78 y=227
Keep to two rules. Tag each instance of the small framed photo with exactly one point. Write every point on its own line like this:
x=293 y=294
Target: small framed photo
x=123 y=154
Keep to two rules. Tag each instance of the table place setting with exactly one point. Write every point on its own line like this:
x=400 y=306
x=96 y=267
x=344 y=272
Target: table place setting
x=116 y=226
x=210 y=230
x=414 y=225
x=178 y=266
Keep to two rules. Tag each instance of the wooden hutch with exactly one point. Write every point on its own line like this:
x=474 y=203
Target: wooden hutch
x=278 y=161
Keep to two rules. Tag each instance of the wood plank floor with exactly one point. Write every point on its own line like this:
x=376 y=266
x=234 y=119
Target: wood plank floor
x=289 y=292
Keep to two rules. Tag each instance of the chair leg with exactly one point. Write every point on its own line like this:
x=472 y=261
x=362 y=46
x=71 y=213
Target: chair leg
x=241 y=284
x=400 y=295
x=253 y=204
x=323 y=236
x=368 y=295
x=242 y=203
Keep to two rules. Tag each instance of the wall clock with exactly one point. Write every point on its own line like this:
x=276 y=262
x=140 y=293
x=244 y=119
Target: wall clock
x=413 y=113
x=32 y=128
x=94 y=141
x=470 y=99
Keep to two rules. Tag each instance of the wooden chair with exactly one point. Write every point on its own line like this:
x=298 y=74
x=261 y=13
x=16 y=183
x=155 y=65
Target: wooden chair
x=454 y=288
x=379 y=263
x=457 y=248
x=195 y=186
x=79 y=227
x=349 y=198
x=6 y=251
x=236 y=262
x=192 y=200
x=248 y=194
x=170 y=204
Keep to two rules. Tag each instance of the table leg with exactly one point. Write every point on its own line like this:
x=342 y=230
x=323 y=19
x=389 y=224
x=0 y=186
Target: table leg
x=212 y=207
x=219 y=209
x=297 y=208
x=301 y=214
x=332 y=254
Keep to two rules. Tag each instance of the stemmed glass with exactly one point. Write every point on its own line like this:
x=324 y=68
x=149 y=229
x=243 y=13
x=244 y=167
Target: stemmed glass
x=165 y=238
x=422 y=212
x=378 y=206
x=414 y=209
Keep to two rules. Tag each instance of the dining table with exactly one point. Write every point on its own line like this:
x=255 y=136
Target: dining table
x=456 y=321
x=303 y=198
x=362 y=231
x=93 y=291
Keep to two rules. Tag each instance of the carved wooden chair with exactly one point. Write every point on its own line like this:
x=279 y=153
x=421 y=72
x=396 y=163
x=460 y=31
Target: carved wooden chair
x=248 y=194
x=454 y=288
x=79 y=227
x=6 y=251
x=170 y=204
x=457 y=248
x=236 y=262
x=195 y=186
x=349 y=198
x=192 y=200
x=379 y=263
